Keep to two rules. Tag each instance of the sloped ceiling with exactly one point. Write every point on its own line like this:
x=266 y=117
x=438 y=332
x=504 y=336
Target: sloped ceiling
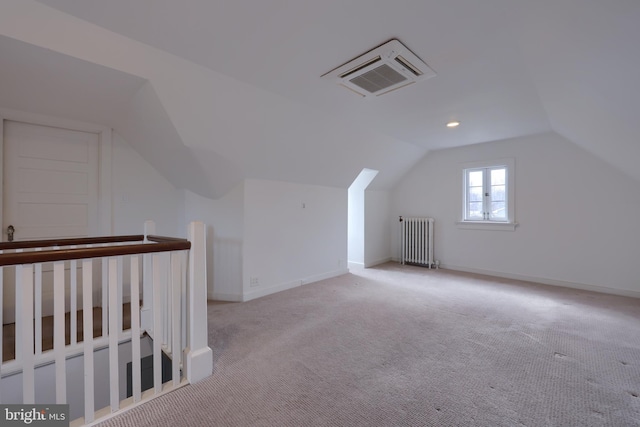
x=285 y=46
x=504 y=69
x=41 y=81
x=583 y=57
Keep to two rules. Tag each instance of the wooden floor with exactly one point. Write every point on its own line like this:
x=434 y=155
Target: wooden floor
x=9 y=330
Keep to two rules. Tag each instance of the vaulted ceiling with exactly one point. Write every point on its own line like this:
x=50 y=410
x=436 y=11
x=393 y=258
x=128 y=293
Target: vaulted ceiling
x=504 y=69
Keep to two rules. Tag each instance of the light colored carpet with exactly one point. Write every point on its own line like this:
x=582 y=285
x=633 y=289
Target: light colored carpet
x=407 y=346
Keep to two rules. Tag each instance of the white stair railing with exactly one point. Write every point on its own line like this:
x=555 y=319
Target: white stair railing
x=170 y=272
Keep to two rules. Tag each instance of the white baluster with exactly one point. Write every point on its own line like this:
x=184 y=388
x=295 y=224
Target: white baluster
x=24 y=293
x=146 y=314
x=135 y=328
x=176 y=285
x=114 y=383
x=58 y=332
x=105 y=296
x=73 y=300
x=166 y=314
x=17 y=317
x=120 y=291
x=87 y=324
x=158 y=274
x=38 y=305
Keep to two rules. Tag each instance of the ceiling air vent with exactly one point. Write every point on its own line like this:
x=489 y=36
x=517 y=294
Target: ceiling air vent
x=381 y=70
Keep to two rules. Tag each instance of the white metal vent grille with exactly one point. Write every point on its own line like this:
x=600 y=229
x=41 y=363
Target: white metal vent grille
x=381 y=70
x=378 y=79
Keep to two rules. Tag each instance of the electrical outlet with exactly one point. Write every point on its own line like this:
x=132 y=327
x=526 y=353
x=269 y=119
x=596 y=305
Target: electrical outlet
x=253 y=282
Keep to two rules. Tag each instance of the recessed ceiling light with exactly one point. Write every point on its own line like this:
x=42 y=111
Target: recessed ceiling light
x=453 y=124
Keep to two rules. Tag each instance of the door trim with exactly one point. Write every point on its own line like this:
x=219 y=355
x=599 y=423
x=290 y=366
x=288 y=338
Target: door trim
x=104 y=159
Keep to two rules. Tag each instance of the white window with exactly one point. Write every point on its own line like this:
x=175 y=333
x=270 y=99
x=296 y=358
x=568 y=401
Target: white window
x=488 y=194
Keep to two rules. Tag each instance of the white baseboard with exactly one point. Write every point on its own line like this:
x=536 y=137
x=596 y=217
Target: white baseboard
x=356 y=265
x=268 y=290
x=292 y=284
x=377 y=262
x=221 y=296
x=545 y=281
x=360 y=265
x=323 y=276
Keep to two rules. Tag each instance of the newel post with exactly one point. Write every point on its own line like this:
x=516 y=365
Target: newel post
x=199 y=357
x=146 y=312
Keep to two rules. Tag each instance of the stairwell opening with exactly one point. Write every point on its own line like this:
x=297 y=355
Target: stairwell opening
x=356 y=218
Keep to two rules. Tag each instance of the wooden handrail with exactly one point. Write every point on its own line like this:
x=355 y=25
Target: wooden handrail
x=98 y=252
x=70 y=242
x=162 y=239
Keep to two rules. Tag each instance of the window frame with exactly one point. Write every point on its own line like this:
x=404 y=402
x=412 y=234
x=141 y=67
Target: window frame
x=508 y=223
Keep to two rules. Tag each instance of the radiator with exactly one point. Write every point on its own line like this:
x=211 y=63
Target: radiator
x=416 y=241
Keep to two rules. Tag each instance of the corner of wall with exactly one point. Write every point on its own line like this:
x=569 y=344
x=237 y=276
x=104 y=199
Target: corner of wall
x=294 y=233
x=555 y=181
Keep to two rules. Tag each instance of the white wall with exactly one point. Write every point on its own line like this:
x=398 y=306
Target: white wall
x=141 y=193
x=294 y=234
x=576 y=215
x=225 y=233
x=376 y=229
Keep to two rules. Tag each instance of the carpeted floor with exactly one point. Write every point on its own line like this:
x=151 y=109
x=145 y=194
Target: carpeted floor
x=406 y=346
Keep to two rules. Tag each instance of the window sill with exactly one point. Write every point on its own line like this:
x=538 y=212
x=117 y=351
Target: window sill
x=487 y=225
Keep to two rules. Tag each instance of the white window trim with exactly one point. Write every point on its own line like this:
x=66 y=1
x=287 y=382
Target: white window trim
x=510 y=224
x=487 y=225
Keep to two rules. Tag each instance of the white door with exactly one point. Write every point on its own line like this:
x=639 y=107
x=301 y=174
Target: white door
x=50 y=182
x=50 y=191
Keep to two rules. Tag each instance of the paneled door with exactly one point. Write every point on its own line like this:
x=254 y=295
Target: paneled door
x=50 y=182
x=50 y=191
